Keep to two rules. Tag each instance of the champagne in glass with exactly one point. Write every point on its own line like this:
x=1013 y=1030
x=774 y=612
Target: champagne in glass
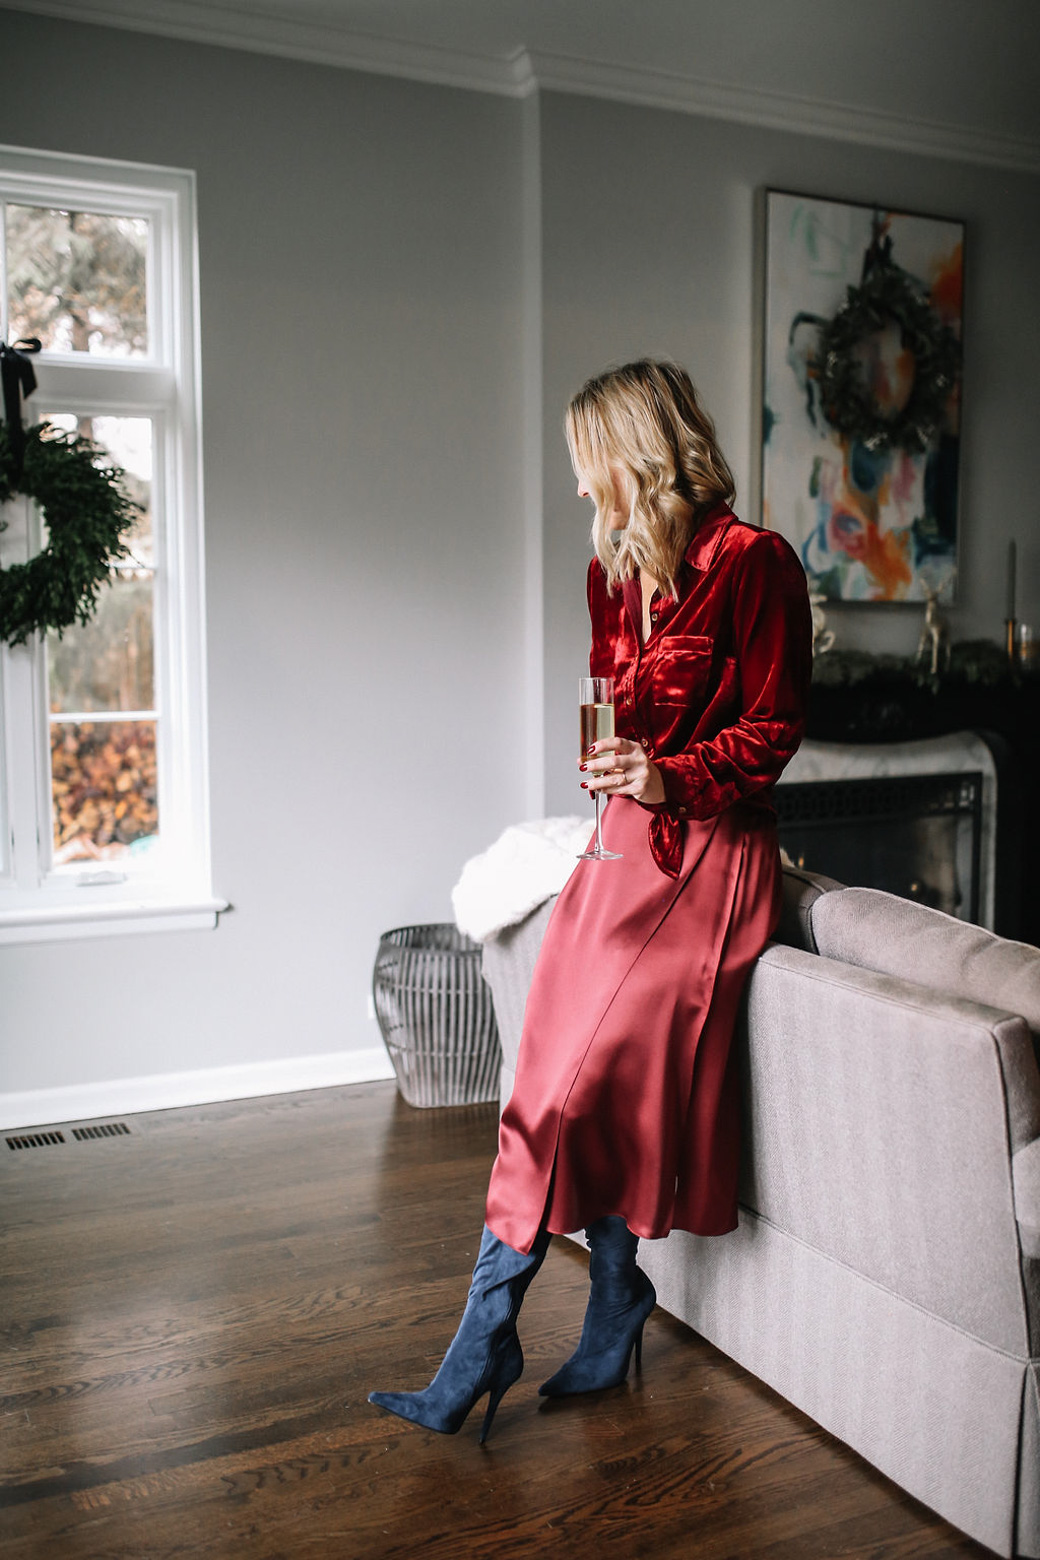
x=596 y=703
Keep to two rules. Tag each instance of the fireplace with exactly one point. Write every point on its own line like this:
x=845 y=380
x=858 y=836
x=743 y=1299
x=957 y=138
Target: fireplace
x=915 y=818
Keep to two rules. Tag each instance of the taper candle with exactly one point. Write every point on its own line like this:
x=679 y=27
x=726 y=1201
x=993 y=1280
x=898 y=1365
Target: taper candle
x=1011 y=580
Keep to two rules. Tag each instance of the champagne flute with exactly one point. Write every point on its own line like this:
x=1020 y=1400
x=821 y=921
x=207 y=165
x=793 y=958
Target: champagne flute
x=596 y=699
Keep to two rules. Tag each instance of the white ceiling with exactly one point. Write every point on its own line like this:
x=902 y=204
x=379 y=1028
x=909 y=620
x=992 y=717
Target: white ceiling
x=969 y=69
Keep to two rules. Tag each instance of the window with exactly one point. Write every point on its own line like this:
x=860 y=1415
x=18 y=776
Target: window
x=103 y=797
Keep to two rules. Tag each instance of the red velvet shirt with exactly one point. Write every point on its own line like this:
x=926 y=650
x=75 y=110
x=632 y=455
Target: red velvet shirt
x=718 y=693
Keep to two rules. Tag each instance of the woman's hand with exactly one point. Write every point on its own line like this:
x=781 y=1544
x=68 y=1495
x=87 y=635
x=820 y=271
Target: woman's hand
x=618 y=767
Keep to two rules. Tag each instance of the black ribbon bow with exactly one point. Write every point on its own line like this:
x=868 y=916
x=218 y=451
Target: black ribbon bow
x=19 y=379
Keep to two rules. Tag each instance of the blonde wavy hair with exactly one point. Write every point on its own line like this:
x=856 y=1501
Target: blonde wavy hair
x=643 y=425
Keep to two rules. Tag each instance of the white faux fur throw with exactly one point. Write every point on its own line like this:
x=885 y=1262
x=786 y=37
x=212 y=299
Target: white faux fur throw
x=526 y=864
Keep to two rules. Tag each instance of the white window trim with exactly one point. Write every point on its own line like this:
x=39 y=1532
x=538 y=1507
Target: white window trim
x=38 y=904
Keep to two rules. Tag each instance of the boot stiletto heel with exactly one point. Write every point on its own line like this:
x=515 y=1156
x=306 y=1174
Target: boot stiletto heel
x=494 y=1398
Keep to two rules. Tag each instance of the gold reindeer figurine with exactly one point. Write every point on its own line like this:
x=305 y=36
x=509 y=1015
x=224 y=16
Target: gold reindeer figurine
x=935 y=632
x=822 y=636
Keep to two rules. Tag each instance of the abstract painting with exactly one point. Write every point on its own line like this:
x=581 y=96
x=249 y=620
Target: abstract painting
x=861 y=395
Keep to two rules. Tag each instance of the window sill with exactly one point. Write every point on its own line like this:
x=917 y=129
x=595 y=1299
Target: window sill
x=54 y=923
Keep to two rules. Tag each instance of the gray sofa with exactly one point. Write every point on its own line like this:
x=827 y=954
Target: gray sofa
x=885 y=1277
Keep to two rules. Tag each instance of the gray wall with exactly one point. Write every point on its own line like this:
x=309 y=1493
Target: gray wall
x=371 y=345
x=361 y=327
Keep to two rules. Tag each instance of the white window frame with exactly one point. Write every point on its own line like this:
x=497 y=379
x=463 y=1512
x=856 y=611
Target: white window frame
x=171 y=887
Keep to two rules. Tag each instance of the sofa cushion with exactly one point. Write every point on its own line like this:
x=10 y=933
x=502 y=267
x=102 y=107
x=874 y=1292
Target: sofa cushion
x=1026 y=1170
x=879 y=931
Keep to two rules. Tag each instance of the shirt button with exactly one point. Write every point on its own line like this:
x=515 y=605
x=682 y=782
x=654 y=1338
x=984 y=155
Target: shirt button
x=654 y=617
x=682 y=811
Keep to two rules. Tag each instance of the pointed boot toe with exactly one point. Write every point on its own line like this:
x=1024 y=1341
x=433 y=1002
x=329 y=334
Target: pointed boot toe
x=406 y=1405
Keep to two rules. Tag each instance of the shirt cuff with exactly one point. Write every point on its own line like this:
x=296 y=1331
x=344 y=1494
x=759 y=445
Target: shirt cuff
x=678 y=801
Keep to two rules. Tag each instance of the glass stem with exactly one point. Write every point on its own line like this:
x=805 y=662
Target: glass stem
x=599 y=837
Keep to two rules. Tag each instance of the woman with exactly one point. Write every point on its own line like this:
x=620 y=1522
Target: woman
x=624 y=1116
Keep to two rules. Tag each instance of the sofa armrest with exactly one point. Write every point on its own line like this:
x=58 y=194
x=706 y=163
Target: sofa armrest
x=801 y=889
x=1025 y=1166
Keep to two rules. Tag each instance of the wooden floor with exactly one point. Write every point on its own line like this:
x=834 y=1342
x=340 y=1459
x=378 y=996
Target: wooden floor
x=192 y=1316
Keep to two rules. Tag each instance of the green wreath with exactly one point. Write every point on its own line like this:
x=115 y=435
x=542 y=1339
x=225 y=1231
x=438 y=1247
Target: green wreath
x=86 y=509
x=887 y=294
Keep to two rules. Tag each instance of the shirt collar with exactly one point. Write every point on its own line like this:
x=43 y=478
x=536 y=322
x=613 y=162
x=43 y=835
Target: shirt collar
x=698 y=555
x=705 y=541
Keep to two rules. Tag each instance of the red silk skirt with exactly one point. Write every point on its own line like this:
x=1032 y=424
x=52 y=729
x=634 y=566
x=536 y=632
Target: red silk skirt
x=626 y=1098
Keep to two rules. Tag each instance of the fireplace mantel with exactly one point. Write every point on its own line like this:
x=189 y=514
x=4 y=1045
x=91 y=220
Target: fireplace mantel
x=859 y=697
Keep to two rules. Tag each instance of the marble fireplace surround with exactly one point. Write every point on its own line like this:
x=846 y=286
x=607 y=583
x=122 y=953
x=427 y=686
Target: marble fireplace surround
x=961 y=752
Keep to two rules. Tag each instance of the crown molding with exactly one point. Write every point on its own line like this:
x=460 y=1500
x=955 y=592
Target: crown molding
x=777 y=111
x=287 y=37
x=531 y=70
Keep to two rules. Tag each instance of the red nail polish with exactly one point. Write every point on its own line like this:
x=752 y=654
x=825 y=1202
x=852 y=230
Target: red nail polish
x=584 y=785
x=583 y=767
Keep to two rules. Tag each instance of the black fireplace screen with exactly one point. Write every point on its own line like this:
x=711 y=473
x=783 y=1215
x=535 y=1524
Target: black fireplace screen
x=919 y=836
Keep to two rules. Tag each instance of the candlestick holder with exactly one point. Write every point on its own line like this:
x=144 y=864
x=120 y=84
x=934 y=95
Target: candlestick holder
x=1011 y=624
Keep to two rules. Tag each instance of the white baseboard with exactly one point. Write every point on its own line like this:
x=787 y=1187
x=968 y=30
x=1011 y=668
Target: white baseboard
x=208 y=1086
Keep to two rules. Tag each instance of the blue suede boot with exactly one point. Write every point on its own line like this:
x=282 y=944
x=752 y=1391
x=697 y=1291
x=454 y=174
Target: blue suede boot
x=621 y=1298
x=485 y=1354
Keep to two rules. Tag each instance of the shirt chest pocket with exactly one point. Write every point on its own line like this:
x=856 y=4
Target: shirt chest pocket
x=681 y=671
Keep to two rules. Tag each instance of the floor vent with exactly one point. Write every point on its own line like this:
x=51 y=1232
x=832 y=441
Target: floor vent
x=35 y=1140
x=106 y=1129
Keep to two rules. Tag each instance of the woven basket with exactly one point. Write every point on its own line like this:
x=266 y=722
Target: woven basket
x=436 y=1016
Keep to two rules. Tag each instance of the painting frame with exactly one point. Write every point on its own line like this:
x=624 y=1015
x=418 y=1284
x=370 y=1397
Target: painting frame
x=871 y=500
